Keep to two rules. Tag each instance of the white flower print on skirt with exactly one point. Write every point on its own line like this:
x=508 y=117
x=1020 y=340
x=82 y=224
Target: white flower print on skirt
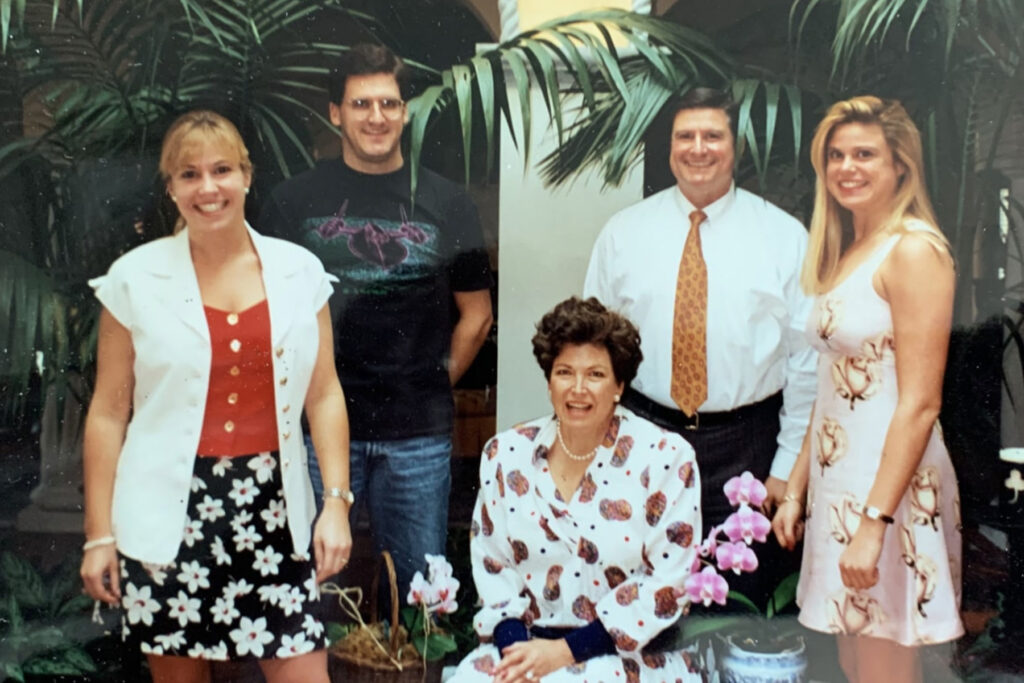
x=235 y=590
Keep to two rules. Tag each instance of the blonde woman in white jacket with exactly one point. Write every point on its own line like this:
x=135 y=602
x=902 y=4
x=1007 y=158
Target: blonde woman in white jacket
x=198 y=506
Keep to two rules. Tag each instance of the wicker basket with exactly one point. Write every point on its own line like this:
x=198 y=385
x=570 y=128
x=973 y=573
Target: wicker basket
x=353 y=665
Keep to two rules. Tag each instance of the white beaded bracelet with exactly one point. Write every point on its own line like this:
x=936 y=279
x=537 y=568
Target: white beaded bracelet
x=97 y=542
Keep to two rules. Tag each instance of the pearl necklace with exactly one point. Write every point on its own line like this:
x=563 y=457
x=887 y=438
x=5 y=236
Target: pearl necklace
x=572 y=456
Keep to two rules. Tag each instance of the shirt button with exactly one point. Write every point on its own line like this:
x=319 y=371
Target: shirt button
x=286 y=435
x=234 y=371
x=232 y=318
x=286 y=408
x=235 y=345
x=279 y=351
x=232 y=398
x=229 y=426
x=284 y=380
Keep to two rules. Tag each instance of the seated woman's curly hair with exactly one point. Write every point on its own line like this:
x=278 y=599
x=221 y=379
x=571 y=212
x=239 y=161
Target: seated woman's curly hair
x=575 y=321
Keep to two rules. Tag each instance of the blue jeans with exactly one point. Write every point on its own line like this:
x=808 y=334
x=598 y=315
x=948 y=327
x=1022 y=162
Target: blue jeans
x=405 y=484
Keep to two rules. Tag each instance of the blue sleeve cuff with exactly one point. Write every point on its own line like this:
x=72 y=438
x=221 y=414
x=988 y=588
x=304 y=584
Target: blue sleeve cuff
x=509 y=631
x=590 y=641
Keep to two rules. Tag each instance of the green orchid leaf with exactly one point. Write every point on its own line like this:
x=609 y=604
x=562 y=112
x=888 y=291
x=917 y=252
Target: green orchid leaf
x=696 y=626
x=783 y=595
x=336 y=632
x=743 y=600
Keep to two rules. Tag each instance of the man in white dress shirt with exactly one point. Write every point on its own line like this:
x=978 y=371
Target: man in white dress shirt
x=760 y=371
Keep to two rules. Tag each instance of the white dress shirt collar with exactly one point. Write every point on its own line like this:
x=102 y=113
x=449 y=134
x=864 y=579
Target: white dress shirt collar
x=715 y=209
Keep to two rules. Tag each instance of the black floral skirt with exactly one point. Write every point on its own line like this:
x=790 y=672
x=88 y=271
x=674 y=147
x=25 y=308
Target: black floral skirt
x=235 y=590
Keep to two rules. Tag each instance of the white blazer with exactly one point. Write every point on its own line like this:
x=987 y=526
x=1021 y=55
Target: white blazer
x=153 y=291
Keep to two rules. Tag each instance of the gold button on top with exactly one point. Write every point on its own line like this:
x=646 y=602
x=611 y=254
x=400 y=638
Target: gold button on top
x=229 y=426
x=286 y=435
x=232 y=318
x=235 y=345
x=232 y=398
x=284 y=380
x=279 y=351
x=234 y=371
x=286 y=408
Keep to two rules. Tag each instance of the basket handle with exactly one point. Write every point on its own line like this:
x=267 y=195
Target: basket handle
x=385 y=557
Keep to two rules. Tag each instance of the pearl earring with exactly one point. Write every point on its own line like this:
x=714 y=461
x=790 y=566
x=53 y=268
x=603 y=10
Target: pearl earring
x=616 y=398
x=247 y=190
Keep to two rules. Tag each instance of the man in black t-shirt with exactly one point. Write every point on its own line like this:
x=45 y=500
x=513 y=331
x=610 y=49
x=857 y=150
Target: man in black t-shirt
x=411 y=307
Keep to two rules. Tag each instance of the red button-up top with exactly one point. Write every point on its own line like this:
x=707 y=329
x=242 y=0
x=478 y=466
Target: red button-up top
x=240 y=417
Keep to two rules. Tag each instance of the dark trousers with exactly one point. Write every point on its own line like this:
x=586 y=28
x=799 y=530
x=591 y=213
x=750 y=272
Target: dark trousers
x=727 y=446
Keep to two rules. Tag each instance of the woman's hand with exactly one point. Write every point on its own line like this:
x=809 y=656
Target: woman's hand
x=101 y=575
x=788 y=523
x=858 y=564
x=531 y=660
x=332 y=539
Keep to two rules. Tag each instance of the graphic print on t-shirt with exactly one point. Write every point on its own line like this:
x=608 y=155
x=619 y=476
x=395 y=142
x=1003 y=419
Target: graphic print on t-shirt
x=371 y=251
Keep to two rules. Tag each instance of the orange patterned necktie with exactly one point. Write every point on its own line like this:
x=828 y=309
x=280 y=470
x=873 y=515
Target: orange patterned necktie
x=689 y=327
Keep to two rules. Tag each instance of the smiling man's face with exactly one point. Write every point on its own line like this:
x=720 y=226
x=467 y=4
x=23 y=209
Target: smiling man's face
x=702 y=154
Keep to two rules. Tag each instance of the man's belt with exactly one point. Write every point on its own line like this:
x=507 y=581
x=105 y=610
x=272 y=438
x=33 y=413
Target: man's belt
x=677 y=420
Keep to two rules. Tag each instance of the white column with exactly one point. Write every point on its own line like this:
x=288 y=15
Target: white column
x=544 y=241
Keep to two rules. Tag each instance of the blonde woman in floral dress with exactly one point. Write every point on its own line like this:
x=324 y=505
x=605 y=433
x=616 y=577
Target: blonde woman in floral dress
x=881 y=562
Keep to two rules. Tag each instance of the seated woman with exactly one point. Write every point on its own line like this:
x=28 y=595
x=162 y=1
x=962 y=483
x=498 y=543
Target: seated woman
x=586 y=524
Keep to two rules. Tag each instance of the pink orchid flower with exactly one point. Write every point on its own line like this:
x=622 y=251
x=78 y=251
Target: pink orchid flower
x=447 y=603
x=747 y=525
x=421 y=592
x=707 y=587
x=745 y=489
x=438 y=593
x=737 y=557
x=438 y=566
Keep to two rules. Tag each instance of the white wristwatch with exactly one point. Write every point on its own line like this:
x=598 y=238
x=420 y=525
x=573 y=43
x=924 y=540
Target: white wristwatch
x=871 y=512
x=345 y=494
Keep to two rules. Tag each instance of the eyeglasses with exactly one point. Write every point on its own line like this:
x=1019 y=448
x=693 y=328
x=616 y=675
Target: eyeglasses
x=390 y=107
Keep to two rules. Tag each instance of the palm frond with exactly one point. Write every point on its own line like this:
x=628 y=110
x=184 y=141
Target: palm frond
x=610 y=136
x=580 y=49
x=756 y=130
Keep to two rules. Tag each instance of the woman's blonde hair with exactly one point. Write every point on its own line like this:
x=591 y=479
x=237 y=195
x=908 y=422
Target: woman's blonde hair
x=831 y=224
x=193 y=129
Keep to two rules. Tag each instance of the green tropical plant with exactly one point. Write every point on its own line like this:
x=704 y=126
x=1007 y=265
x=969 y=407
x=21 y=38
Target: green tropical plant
x=112 y=76
x=44 y=621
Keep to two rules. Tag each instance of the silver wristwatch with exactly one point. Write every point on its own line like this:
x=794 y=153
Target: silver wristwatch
x=345 y=494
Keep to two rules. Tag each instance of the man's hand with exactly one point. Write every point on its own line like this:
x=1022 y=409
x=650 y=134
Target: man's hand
x=530 y=660
x=776 y=490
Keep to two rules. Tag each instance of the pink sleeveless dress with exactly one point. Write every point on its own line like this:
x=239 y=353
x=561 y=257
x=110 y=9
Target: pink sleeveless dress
x=917 y=599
